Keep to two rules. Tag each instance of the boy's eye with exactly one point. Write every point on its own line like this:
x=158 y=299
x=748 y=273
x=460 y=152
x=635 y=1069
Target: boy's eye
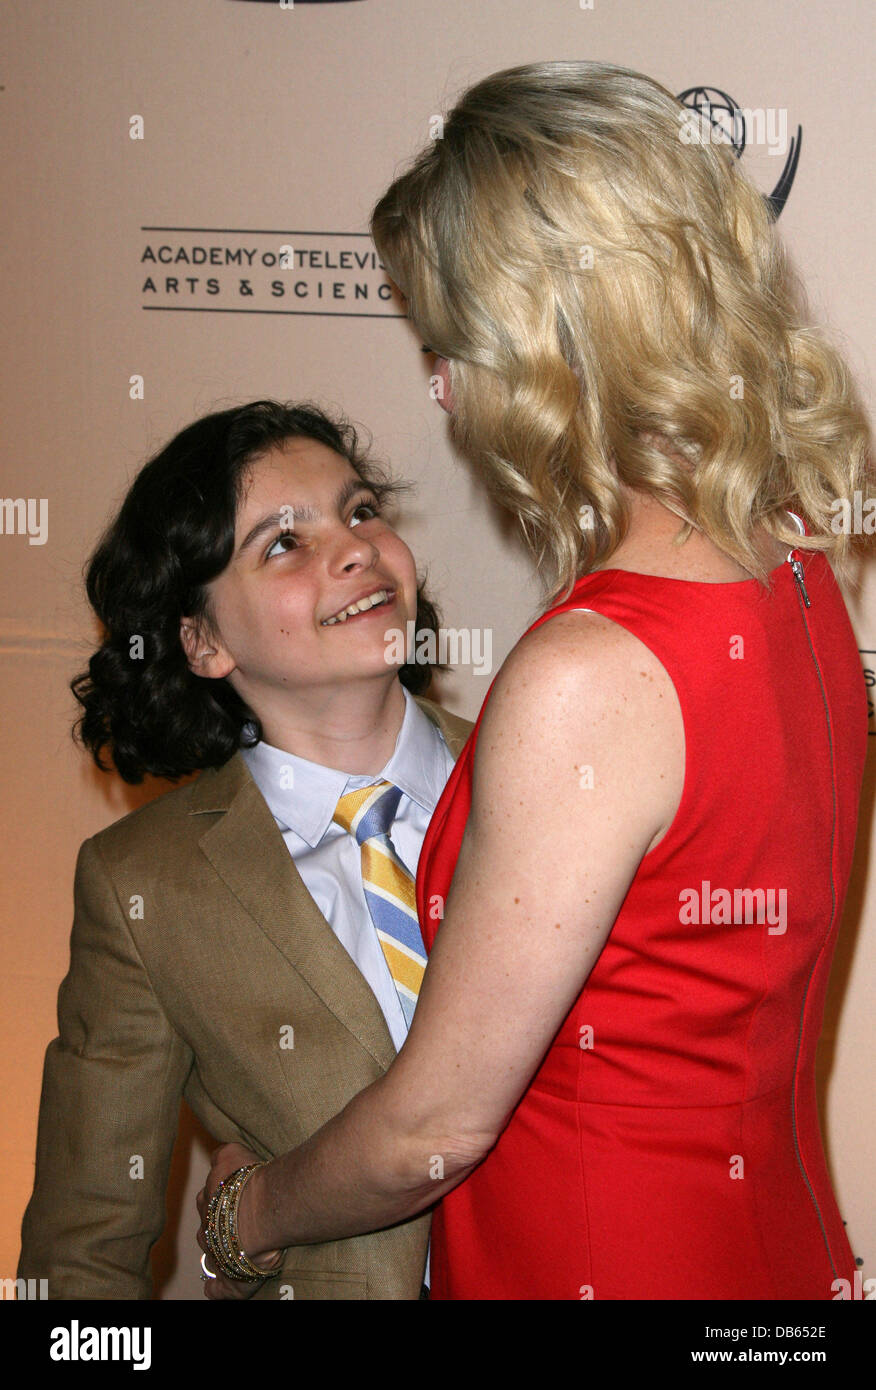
x=283 y=536
x=367 y=507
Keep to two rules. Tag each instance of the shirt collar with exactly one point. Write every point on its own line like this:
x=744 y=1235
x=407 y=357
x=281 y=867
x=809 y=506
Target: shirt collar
x=302 y=796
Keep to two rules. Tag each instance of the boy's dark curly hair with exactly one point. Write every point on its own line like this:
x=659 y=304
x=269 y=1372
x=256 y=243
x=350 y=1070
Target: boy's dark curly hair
x=173 y=535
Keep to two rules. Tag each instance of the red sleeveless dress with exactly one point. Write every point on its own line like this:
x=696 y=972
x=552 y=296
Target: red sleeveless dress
x=674 y=1151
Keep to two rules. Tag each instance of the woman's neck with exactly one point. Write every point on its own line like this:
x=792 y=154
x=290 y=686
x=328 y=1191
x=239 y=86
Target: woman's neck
x=649 y=547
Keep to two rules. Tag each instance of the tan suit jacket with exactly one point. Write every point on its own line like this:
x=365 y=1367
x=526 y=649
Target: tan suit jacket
x=196 y=948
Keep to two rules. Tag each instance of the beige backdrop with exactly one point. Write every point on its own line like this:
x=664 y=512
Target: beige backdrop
x=265 y=126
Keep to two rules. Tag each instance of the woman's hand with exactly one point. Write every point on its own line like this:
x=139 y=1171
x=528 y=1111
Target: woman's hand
x=226 y=1160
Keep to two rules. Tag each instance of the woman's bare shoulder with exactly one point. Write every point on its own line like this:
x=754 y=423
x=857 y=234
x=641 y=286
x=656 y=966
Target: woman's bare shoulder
x=575 y=646
x=582 y=692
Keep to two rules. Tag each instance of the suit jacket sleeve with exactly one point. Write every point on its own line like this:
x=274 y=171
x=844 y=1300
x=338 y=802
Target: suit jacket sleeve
x=109 y=1110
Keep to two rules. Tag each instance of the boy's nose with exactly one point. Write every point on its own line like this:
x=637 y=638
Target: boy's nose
x=353 y=551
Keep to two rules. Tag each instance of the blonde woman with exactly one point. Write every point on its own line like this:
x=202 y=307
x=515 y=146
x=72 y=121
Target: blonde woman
x=633 y=882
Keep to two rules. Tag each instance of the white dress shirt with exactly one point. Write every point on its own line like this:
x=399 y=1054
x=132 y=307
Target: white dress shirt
x=302 y=797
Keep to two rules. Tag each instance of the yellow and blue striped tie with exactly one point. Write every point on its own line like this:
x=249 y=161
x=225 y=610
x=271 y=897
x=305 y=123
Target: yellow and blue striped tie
x=389 y=888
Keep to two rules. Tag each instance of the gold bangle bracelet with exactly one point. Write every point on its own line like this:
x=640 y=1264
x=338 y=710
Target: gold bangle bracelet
x=221 y=1229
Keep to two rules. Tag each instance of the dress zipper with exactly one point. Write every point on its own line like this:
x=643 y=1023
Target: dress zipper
x=797 y=567
x=796 y=564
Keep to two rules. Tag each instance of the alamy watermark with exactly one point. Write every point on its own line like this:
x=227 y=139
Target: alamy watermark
x=450 y=646
x=75 y=1343
x=741 y=907
x=766 y=126
x=25 y=516
x=853 y=516
x=22 y=1290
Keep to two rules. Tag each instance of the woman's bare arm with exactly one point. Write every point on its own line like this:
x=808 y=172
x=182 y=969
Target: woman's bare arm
x=548 y=855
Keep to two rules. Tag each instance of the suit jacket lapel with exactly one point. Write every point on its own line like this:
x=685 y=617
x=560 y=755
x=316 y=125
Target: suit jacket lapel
x=247 y=851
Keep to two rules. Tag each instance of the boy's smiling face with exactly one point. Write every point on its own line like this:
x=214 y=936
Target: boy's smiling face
x=309 y=541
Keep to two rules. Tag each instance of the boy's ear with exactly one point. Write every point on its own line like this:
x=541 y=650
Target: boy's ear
x=204 y=658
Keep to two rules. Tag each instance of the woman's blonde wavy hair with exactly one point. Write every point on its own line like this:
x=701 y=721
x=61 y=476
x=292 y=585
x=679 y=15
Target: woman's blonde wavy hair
x=603 y=284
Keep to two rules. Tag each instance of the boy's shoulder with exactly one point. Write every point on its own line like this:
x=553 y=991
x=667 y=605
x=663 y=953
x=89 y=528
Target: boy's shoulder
x=174 y=818
x=454 y=728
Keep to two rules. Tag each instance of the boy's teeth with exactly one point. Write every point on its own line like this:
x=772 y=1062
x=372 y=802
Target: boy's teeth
x=370 y=602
